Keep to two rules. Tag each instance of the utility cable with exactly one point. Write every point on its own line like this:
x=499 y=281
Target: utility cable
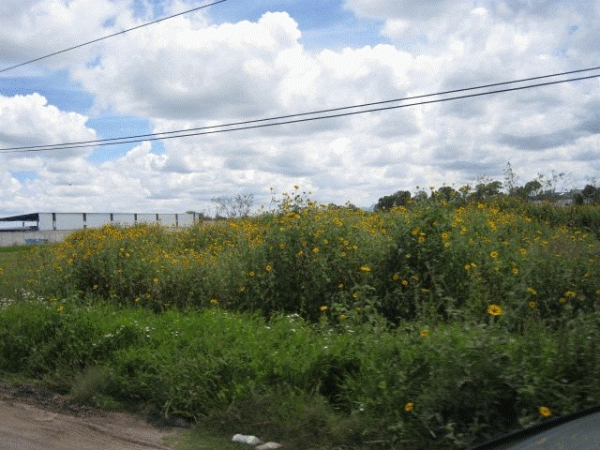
x=165 y=134
x=249 y=125
x=109 y=36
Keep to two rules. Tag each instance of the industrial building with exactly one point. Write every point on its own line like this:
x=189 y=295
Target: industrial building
x=53 y=227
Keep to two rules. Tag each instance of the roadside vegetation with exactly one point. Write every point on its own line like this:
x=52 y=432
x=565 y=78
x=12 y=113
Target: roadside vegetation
x=437 y=324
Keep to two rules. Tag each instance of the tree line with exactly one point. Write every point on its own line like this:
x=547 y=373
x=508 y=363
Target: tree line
x=539 y=189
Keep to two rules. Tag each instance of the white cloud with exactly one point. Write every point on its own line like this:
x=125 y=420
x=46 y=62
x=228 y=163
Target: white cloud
x=175 y=70
x=28 y=120
x=34 y=28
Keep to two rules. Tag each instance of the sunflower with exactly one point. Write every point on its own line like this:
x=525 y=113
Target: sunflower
x=494 y=310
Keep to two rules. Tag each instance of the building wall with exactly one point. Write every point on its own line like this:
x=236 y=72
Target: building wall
x=96 y=220
x=78 y=221
x=68 y=221
x=12 y=238
x=54 y=227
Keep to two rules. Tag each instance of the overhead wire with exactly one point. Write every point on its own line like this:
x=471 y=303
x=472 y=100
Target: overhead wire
x=117 y=140
x=315 y=115
x=6 y=69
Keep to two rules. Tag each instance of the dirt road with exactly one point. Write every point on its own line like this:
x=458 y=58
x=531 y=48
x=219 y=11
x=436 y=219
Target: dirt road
x=34 y=419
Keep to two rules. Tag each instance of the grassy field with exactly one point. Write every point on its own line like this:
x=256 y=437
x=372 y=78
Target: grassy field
x=436 y=326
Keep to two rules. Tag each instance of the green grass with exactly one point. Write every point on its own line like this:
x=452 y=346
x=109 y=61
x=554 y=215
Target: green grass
x=12 y=269
x=432 y=327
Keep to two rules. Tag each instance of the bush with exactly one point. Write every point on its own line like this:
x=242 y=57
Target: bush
x=427 y=326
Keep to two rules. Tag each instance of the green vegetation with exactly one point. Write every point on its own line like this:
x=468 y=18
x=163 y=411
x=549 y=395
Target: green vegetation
x=12 y=273
x=436 y=325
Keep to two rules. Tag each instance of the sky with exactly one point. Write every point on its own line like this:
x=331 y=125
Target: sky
x=245 y=60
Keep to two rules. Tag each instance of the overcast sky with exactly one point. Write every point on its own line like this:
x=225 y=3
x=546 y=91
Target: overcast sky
x=252 y=59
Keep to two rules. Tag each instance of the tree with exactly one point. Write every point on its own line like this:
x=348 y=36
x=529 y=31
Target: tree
x=485 y=190
x=447 y=193
x=591 y=194
x=387 y=202
x=234 y=207
x=510 y=178
x=532 y=189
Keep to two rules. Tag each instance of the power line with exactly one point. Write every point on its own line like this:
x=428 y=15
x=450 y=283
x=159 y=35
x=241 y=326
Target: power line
x=109 y=36
x=117 y=140
x=301 y=117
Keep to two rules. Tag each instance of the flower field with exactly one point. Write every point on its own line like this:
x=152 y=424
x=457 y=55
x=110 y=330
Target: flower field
x=435 y=326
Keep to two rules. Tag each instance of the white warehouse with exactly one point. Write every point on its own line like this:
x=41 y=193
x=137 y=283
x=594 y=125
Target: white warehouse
x=53 y=227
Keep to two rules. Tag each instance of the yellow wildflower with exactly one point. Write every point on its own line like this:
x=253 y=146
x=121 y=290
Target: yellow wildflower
x=365 y=269
x=323 y=308
x=494 y=310
x=494 y=255
x=424 y=333
x=214 y=301
x=409 y=407
x=545 y=411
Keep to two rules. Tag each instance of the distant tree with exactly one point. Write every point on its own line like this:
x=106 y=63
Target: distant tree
x=447 y=193
x=510 y=179
x=420 y=195
x=464 y=191
x=485 y=190
x=591 y=194
x=234 y=207
x=387 y=202
x=532 y=189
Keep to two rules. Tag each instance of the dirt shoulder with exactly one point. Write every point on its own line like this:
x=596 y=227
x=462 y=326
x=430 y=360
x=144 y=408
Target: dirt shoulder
x=35 y=419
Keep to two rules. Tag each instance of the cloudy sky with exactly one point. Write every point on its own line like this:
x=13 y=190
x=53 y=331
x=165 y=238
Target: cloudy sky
x=244 y=60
